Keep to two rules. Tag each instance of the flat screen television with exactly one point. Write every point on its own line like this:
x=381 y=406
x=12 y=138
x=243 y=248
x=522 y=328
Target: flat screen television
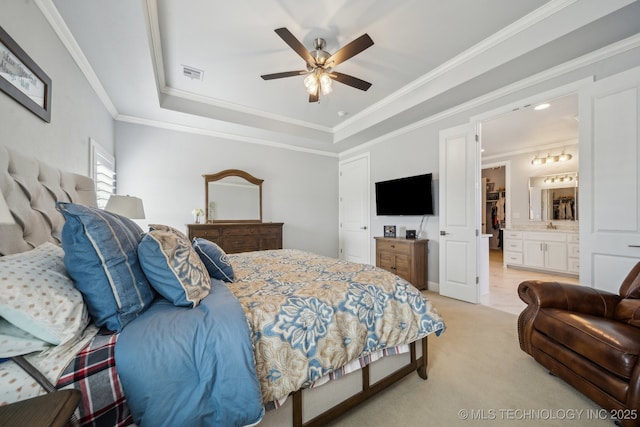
x=405 y=196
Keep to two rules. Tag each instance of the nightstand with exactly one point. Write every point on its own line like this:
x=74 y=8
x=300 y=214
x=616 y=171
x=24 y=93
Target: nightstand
x=405 y=257
x=50 y=410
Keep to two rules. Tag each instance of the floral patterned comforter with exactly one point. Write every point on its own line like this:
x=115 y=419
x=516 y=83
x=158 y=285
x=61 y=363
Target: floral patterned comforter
x=311 y=314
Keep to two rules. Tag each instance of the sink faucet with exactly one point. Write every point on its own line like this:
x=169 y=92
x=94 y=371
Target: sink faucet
x=550 y=226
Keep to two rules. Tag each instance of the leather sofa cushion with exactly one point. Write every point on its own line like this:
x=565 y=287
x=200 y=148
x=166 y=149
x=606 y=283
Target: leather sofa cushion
x=613 y=345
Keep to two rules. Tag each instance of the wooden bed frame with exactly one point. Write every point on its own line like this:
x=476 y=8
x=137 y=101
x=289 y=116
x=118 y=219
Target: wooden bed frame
x=368 y=390
x=32 y=189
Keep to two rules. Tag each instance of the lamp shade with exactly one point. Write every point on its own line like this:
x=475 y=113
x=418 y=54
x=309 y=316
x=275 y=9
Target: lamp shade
x=5 y=214
x=128 y=206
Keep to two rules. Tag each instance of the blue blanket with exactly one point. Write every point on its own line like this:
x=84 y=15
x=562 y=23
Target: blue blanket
x=190 y=367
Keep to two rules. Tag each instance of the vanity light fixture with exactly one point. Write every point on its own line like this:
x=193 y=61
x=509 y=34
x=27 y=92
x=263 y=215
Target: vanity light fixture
x=562 y=157
x=558 y=178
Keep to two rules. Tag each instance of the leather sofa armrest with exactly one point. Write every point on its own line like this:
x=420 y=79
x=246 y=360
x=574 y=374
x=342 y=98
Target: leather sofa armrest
x=563 y=296
x=566 y=296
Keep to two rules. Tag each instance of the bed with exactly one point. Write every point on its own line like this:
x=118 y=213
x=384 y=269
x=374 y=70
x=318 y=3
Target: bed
x=293 y=338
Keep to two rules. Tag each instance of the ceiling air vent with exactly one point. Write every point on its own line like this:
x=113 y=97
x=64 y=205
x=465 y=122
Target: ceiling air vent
x=192 y=73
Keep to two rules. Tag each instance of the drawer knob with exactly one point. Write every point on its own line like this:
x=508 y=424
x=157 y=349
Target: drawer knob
x=393 y=246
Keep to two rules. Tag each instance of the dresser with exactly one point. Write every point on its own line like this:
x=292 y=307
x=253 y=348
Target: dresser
x=405 y=257
x=234 y=237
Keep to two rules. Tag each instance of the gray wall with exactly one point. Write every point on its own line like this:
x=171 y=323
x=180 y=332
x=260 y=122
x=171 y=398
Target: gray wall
x=76 y=112
x=165 y=168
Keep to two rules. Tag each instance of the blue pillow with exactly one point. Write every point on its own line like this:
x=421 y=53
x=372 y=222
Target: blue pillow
x=215 y=259
x=100 y=255
x=173 y=268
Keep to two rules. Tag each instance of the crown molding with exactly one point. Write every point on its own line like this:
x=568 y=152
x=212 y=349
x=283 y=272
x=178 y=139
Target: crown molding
x=169 y=91
x=218 y=134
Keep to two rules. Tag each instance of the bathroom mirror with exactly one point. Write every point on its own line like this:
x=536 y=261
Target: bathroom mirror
x=553 y=197
x=233 y=195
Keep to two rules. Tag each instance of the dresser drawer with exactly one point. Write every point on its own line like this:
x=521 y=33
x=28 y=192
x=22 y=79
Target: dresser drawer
x=240 y=231
x=573 y=250
x=234 y=244
x=513 y=258
x=513 y=245
x=509 y=234
x=394 y=247
x=208 y=234
x=240 y=237
x=270 y=231
x=574 y=265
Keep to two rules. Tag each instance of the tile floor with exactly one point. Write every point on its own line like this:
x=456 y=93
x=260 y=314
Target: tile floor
x=503 y=284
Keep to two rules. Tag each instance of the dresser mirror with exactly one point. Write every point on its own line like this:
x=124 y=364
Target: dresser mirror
x=554 y=197
x=233 y=196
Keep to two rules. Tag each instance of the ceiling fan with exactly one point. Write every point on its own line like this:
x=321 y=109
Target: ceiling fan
x=319 y=71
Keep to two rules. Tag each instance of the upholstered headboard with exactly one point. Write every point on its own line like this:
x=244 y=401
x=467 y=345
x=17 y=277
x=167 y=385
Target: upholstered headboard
x=31 y=189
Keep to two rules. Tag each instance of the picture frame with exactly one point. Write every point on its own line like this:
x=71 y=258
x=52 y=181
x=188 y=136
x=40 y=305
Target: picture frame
x=389 y=231
x=22 y=79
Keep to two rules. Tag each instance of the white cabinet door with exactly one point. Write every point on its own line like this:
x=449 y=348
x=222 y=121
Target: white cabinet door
x=555 y=256
x=534 y=253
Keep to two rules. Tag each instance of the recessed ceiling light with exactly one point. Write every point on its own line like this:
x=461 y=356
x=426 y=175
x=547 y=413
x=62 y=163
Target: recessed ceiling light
x=541 y=106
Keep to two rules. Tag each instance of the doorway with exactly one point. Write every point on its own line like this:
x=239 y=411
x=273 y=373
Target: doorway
x=511 y=137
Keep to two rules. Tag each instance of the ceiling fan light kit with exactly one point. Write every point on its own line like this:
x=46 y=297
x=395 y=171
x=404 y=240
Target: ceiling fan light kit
x=320 y=63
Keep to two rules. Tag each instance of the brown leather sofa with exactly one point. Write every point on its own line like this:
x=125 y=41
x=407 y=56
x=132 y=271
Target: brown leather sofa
x=589 y=338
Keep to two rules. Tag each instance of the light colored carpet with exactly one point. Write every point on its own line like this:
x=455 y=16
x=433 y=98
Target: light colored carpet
x=477 y=370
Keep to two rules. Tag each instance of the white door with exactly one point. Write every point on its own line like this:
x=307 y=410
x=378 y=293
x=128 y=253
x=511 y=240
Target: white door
x=609 y=179
x=459 y=215
x=355 y=240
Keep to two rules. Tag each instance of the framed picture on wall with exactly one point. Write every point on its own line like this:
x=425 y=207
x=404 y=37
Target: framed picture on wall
x=22 y=79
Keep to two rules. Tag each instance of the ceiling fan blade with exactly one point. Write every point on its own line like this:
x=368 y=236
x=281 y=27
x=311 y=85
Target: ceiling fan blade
x=350 y=50
x=283 y=74
x=350 y=80
x=295 y=44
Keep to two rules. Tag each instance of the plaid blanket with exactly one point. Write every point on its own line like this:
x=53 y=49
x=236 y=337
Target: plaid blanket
x=93 y=372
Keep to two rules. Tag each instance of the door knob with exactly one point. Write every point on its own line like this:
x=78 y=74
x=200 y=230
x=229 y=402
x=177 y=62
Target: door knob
x=364 y=227
x=443 y=233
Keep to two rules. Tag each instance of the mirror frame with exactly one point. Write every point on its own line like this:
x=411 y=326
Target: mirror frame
x=224 y=174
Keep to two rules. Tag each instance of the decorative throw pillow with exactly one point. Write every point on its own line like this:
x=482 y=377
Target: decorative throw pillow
x=101 y=256
x=37 y=296
x=215 y=259
x=161 y=227
x=173 y=268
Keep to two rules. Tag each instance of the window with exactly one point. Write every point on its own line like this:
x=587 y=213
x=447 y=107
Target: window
x=103 y=172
